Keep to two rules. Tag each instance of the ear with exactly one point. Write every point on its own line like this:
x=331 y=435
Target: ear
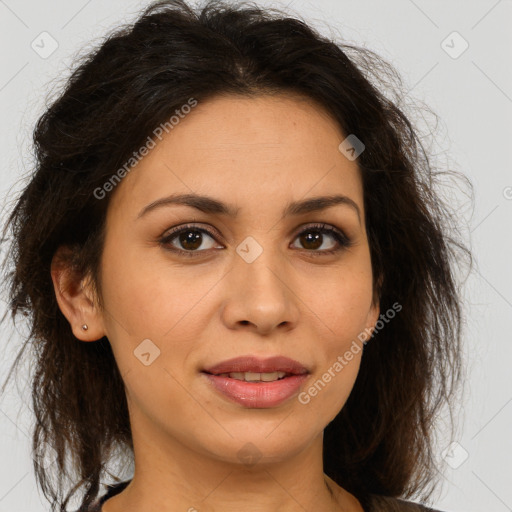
x=372 y=318
x=377 y=290
x=75 y=297
x=374 y=312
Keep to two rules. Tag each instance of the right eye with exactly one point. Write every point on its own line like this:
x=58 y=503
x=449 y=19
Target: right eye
x=190 y=237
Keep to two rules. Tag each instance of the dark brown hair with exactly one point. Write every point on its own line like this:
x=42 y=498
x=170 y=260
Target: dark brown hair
x=382 y=441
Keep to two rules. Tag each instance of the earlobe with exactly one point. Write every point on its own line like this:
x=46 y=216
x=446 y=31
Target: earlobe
x=74 y=299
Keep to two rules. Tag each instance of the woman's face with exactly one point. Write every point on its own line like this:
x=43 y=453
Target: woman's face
x=260 y=283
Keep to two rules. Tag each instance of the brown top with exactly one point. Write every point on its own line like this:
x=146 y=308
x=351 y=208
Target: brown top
x=371 y=503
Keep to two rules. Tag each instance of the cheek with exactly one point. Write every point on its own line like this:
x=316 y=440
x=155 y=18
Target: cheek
x=340 y=308
x=153 y=301
x=145 y=297
x=338 y=366
x=341 y=302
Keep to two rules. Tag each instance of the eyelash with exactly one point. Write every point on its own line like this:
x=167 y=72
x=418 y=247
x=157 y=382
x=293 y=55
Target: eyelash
x=343 y=241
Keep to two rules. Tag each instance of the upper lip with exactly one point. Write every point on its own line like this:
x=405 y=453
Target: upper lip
x=257 y=365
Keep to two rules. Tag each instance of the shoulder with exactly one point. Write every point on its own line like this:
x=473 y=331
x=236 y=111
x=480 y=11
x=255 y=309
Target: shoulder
x=378 y=503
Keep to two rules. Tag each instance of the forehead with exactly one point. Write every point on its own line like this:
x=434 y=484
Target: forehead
x=268 y=148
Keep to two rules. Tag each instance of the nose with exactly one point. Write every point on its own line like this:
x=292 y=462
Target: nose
x=260 y=295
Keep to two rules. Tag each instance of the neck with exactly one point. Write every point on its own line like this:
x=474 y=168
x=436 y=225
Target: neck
x=170 y=476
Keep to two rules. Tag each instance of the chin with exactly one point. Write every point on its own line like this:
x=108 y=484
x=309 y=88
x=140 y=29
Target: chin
x=272 y=443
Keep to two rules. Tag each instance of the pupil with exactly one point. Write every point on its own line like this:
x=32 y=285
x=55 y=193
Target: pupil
x=190 y=239
x=312 y=238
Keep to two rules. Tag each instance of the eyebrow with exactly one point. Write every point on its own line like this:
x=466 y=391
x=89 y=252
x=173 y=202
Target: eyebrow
x=213 y=206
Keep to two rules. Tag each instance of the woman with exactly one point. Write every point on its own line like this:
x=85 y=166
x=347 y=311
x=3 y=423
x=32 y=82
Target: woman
x=238 y=274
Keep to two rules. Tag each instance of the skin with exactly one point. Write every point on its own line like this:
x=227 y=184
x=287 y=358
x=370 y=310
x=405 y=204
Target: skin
x=257 y=154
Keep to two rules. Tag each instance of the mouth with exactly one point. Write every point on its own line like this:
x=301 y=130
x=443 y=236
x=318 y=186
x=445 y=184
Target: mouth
x=254 y=376
x=255 y=366
x=257 y=383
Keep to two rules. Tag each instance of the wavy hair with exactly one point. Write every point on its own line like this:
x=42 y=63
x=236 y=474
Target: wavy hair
x=382 y=441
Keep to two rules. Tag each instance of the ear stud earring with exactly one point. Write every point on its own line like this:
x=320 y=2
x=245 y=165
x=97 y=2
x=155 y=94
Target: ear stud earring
x=85 y=327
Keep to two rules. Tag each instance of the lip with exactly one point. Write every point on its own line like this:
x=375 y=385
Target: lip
x=257 y=394
x=257 y=365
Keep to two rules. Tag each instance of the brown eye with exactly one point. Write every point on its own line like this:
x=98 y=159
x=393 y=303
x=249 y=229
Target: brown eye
x=313 y=237
x=188 y=240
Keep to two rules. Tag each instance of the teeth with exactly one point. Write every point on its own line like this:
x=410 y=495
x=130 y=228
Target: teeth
x=254 y=377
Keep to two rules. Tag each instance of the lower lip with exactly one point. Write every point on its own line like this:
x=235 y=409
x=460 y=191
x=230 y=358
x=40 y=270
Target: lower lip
x=257 y=394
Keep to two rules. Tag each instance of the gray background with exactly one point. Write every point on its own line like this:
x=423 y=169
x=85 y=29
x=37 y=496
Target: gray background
x=471 y=94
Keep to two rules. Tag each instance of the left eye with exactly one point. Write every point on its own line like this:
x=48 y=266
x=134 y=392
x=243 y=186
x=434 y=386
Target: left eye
x=314 y=236
x=191 y=239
